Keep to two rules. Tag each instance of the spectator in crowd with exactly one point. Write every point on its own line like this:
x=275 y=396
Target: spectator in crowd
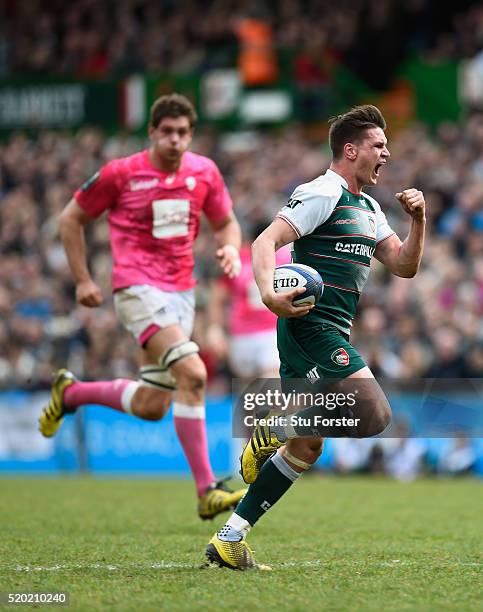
x=352 y=455
x=458 y=457
x=402 y=455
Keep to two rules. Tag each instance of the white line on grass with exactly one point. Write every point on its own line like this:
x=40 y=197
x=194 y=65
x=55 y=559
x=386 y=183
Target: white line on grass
x=168 y=565
x=106 y=566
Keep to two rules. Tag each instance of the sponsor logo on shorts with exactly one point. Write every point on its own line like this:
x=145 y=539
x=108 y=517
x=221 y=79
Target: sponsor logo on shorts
x=340 y=357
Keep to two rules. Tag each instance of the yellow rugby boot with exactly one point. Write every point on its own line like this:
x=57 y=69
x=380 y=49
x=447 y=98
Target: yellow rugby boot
x=260 y=447
x=53 y=414
x=218 y=498
x=234 y=555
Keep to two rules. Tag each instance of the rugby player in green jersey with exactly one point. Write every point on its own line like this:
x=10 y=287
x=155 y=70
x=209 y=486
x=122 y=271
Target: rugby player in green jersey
x=336 y=228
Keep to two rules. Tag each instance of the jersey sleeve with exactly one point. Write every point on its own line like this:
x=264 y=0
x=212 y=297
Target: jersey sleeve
x=99 y=192
x=308 y=208
x=218 y=202
x=383 y=229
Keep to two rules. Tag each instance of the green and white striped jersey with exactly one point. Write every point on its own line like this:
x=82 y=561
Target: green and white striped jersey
x=338 y=232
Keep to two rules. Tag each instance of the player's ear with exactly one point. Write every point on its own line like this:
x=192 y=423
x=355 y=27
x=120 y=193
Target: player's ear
x=350 y=151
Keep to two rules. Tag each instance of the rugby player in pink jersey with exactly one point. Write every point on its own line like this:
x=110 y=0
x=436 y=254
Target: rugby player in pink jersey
x=252 y=327
x=154 y=200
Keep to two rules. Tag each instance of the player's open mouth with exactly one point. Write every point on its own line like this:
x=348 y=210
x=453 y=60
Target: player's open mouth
x=377 y=168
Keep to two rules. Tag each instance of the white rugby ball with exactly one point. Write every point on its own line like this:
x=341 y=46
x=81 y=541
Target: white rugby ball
x=291 y=276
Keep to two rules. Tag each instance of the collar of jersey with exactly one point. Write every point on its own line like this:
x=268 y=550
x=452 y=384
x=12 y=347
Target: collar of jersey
x=333 y=176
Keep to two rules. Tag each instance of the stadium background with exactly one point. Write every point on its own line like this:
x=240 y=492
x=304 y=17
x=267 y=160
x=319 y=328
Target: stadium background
x=264 y=77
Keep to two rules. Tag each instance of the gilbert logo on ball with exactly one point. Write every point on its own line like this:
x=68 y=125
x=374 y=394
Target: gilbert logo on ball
x=291 y=276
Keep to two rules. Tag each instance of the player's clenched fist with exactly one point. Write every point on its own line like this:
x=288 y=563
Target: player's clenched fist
x=412 y=201
x=88 y=294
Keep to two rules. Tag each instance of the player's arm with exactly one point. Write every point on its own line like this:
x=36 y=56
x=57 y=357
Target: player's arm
x=278 y=234
x=228 y=241
x=403 y=258
x=215 y=332
x=72 y=222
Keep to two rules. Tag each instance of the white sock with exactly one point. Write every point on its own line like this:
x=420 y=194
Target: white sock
x=235 y=528
x=127 y=395
x=188 y=412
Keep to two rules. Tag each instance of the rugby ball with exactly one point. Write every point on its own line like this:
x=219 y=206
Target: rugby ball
x=291 y=276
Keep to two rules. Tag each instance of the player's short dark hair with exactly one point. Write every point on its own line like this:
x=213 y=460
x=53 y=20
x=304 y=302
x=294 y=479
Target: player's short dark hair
x=352 y=126
x=174 y=106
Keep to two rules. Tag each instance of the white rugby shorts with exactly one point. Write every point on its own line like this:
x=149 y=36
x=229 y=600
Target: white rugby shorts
x=143 y=309
x=255 y=353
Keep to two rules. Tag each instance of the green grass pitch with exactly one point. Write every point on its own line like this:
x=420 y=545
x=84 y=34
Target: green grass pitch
x=335 y=544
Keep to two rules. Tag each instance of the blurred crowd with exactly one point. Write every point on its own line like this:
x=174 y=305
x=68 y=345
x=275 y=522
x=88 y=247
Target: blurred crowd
x=370 y=36
x=404 y=458
x=429 y=326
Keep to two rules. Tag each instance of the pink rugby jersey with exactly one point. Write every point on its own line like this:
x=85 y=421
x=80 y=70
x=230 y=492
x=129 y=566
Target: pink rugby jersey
x=154 y=216
x=248 y=313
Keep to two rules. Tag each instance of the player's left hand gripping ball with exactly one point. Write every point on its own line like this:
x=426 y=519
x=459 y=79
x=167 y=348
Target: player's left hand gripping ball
x=229 y=260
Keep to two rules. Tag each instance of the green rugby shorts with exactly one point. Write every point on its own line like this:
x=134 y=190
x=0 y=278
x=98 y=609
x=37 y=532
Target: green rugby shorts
x=315 y=350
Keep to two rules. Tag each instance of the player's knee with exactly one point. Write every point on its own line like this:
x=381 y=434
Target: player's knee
x=191 y=376
x=314 y=449
x=185 y=366
x=306 y=449
x=194 y=382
